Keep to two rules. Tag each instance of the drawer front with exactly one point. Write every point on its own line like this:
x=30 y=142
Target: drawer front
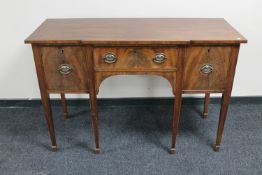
x=64 y=68
x=130 y=58
x=206 y=68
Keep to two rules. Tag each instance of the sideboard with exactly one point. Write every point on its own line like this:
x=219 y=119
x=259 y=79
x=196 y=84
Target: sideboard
x=195 y=55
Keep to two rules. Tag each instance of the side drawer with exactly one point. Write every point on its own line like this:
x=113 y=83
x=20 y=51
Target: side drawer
x=206 y=68
x=64 y=68
x=132 y=58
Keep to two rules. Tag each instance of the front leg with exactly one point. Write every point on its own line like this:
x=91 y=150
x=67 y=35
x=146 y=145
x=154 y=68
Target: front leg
x=177 y=89
x=176 y=116
x=92 y=95
x=44 y=96
x=49 y=119
x=222 y=118
x=226 y=97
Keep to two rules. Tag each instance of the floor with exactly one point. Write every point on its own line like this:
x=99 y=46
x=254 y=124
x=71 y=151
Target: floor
x=134 y=140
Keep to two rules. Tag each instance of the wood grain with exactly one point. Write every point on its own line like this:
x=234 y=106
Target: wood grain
x=44 y=96
x=135 y=58
x=188 y=43
x=178 y=97
x=218 y=57
x=226 y=97
x=53 y=57
x=93 y=104
x=99 y=31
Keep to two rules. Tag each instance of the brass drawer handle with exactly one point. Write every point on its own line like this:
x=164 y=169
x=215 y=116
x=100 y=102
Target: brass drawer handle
x=110 y=58
x=65 y=69
x=159 y=58
x=206 y=69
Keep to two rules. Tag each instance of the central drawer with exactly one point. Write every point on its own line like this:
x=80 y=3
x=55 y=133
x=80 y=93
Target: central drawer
x=133 y=58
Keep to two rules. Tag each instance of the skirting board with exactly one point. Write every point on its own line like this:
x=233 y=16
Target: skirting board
x=129 y=101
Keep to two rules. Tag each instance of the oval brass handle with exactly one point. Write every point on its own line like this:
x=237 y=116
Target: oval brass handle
x=159 y=58
x=110 y=58
x=65 y=69
x=206 y=69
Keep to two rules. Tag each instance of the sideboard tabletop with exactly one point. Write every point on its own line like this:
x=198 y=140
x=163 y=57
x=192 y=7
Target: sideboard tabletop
x=135 y=31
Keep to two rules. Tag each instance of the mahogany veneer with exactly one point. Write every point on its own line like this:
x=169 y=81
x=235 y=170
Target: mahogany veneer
x=195 y=55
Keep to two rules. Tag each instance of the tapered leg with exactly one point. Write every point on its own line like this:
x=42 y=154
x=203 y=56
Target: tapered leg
x=49 y=119
x=44 y=96
x=177 y=109
x=94 y=121
x=178 y=97
x=64 y=105
x=92 y=94
x=222 y=118
x=226 y=97
x=207 y=98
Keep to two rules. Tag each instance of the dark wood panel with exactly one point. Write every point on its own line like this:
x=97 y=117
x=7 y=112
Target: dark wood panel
x=135 y=59
x=136 y=31
x=54 y=57
x=197 y=57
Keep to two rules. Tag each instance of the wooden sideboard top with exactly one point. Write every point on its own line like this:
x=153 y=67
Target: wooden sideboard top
x=135 y=31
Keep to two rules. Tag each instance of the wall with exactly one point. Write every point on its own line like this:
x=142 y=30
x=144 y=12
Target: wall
x=19 y=18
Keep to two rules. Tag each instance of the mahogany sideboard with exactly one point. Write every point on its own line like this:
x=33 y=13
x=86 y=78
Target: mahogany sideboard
x=196 y=55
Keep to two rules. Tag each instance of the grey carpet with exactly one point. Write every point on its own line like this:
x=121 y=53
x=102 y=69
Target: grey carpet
x=134 y=140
